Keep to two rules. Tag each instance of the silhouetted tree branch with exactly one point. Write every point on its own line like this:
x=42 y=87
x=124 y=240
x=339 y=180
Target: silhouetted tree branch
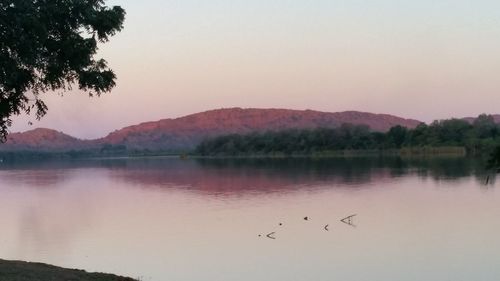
x=50 y=45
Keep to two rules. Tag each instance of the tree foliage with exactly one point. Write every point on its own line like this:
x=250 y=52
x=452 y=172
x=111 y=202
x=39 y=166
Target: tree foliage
x=50 y=45
x=479 y=137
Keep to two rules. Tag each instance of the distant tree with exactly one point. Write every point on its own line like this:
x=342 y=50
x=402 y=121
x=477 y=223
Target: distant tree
x=485 y=126
x=419 y=135
x=50 y=45
x=397 y=136
x=453 y=131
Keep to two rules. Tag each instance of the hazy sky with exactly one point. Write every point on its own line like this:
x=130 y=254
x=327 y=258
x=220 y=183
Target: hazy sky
x=425 y=59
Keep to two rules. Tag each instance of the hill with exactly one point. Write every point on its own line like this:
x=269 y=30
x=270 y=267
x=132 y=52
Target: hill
x=186 y=132
x=41 y=139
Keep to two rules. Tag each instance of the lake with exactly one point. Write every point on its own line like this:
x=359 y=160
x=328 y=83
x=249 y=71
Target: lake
x=200 y=219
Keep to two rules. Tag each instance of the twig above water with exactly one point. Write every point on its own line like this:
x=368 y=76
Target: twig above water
x=348 y=220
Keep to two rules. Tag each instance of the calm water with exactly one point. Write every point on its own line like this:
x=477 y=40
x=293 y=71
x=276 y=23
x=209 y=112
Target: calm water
x=171 y=219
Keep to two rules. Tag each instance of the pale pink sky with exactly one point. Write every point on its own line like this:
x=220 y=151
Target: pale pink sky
x=417 y=59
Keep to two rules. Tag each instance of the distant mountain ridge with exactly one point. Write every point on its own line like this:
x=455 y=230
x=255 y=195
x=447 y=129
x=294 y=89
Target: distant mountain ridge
x=186 y=132
x=42 y=139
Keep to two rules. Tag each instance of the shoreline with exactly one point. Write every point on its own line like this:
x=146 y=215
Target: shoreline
x=447 y=151
x=27 y=271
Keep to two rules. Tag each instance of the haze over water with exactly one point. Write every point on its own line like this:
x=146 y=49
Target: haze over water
x=171 y=219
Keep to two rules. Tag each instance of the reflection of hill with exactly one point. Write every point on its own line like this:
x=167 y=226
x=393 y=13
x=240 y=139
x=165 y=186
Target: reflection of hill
x=42 y=177
x=221 y=176
x=235 y=176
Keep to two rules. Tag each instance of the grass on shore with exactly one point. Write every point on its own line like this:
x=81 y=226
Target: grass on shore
x=26 y=271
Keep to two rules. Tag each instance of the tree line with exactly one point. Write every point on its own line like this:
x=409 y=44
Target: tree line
x=477 y=137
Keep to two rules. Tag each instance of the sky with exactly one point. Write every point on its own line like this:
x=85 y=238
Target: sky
x=426 y=59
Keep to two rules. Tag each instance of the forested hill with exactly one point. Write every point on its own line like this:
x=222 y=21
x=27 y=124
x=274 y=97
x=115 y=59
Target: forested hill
x=260 y=131
x=184 y=133
x=474 y=136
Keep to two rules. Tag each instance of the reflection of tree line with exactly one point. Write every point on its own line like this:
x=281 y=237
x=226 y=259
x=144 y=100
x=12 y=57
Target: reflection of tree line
x=262 y=174
x=240 y=175
x=353 y=168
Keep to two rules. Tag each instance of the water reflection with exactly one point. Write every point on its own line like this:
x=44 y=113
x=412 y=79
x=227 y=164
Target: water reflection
x=231 y=176
x=418 y=219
